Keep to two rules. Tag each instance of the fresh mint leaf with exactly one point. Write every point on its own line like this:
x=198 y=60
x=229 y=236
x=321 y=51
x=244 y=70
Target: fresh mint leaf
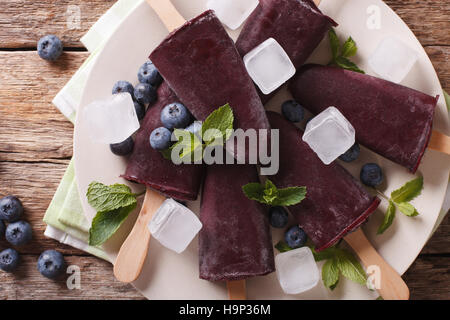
x=282 y=246
x=409 y=191
x=388 y=218
x=447 y=100
x=220 y=120
x=330 y=273
x=379 y=298
x=345 y=63
x=334 y=43
x=188 y=146
x=105 y=224
x=350 y=267
x=270 y=195
x=107 y=198
x=407 y=209
x=291 y=196
x=326 y=254
x=254 y=191
x=349 y=48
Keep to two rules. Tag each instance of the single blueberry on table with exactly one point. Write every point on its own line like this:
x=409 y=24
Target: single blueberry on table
x=9 y=260
x=292 y=111
x=175 y=116
x=149 y=74
x=352 y=154
x=140 y=110
x=123 y=86
x=278 y=217
x=145 y=93
x=18 y=233
x=371 y=175
x=49 y=47
x=123 y=148
x=11 y=209
x=295 y=237
x=2 y=229
x=51 y=264
x=160 y=138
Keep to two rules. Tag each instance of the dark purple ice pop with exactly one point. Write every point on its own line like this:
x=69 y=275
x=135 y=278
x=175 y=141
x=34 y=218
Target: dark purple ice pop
x=391 y=120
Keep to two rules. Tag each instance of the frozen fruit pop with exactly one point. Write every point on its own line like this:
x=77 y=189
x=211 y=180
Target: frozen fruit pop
x=297 y=25
x=391 y=120
x=200 y=63
x=235 y=241
x=147 y=166
x=336 y=203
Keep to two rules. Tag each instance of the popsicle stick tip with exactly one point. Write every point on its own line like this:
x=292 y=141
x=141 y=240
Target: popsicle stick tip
x=168 y=14
x=440 y=142
x=237 y=290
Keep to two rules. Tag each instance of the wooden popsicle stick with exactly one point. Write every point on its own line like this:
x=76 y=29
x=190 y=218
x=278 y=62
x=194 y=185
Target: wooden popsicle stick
x=132 y=254
x=392 y=286
x=237 y=290
x=440 y=142
x=168 y=14
x=317 y=2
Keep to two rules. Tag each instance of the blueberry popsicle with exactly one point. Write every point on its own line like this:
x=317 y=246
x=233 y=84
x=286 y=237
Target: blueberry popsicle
x=297 y=25
x=336 y=203
x=147 y=166
x=235 y=241
x=391 y=120
x=200 y=63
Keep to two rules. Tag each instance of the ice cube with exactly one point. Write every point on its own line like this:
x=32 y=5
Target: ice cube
x=269 y=65
x=393 y=59
x=329 y=135
x=111 y=120
x=174 y=225
x=232 y=13
x=297 y=270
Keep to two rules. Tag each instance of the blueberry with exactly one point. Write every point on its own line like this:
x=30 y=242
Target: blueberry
x=149 y=74
x=160 y=138
x=2 y=229
x=292 y=111
x=18 y=233
x=9 y=260
x=51 y=264
x=145 y=93
x=49 y=47
x=352 y=154
x=194 y=127
x=140 y=110
x=278 y=217
x=123 y=86
x=11 y=209
x=371 y=175
x=123 y=148
x=295 y=237
x=175 y=115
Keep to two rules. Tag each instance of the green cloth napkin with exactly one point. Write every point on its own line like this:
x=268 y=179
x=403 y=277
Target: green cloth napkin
x=64 y=217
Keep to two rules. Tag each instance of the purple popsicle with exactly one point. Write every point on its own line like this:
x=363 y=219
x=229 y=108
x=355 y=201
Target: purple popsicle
x=200 y=63
x=235 y=241
x=147 y=166
x=391 y=120
x=335 y=204
x=297 y=25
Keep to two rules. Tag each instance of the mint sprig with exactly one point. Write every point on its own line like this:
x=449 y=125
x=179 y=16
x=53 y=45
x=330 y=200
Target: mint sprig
x=447 y=100
x=400 y=199
x=342 y=53
x=113 y=205
x=215 y=130
x=269 y=194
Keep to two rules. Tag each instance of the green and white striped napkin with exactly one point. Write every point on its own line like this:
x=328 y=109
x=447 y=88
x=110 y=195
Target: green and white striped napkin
x=65 y=217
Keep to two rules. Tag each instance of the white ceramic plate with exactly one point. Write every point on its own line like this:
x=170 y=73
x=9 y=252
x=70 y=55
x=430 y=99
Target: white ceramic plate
x=167 y=275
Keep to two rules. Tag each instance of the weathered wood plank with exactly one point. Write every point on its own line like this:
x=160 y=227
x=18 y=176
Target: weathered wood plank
x=33 y=19
x=23 y=22
x=97 y=282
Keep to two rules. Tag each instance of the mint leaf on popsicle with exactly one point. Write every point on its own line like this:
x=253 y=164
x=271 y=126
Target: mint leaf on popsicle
x=271 y=195
x=342 y=53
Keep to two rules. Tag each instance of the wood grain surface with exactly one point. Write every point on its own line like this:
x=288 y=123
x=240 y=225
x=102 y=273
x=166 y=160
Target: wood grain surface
x=36 y=140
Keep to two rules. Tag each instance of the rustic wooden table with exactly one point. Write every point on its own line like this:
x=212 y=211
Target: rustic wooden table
x=36 y=141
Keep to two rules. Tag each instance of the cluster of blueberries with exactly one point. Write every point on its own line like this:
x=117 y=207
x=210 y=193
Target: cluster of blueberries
x=18 y=233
